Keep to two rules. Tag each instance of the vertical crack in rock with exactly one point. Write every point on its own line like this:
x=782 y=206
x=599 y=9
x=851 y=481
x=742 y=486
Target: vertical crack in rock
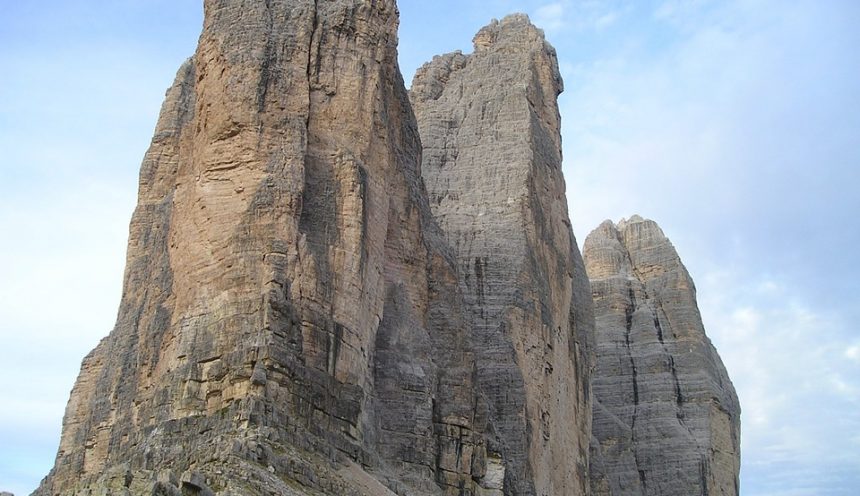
x=263 y=87
x=680 y=435
x=489 y=126
x=628 y=328
x=703 y=465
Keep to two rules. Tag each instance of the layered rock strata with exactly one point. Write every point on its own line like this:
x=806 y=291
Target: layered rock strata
x=666 y=416
x=489 y=125
x=291 y=319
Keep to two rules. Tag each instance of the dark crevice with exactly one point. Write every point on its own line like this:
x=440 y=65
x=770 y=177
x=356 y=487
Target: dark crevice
x=362 y=195
x=628 y=315
x=309 y=70
x=662 y=311
x=313 y=67
x=265 y=70
x=679 y=398
x=335 y=338
x=479 y=276
x=659 y=328
x=703 y=473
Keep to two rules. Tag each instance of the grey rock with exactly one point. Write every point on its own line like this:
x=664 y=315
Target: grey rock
x=666 y=416
x=195 y=483
x=489 y=125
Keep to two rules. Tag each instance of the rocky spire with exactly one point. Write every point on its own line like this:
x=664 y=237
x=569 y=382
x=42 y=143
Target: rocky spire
x=489 y=125
x=291 y=320
x=666 y=416
x=302 y=316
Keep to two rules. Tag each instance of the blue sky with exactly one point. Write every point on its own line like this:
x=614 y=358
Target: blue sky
x=734 y=124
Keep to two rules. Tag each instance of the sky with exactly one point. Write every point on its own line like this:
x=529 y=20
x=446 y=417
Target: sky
x=734 y=124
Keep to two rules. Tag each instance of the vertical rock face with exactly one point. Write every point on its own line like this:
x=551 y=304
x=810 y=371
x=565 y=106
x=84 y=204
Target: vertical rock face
x=489 y=125
x=666 y=416
x=291 y=320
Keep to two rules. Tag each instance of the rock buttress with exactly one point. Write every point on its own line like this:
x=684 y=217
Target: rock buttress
x=489 y=125
x=666 y=416
x=291 y=320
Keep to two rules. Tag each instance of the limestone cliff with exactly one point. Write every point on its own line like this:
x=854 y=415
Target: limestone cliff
x=666 y=417
x=291 y=321
x=489 y=125
x=311 y=308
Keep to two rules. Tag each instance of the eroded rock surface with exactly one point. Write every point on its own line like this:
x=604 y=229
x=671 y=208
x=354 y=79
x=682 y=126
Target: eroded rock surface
x=489 y=125
x=666 y=416
x=291 y=319
x=301 y=316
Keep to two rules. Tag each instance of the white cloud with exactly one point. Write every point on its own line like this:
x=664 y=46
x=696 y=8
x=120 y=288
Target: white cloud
x=673 y=9
x=580 y=16
x=791 y=372
x=843 y=387
x=606 y=20
x=550 y=16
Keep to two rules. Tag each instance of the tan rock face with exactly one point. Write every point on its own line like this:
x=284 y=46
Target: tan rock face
x=291 y=317
x=302 y=316
x=489 y=126
x=666 y=416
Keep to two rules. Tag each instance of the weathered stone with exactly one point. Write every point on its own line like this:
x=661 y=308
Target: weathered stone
x=193 y=482
x=291 y=320
x=489 y=125
x=300 y=317
x=666 y=416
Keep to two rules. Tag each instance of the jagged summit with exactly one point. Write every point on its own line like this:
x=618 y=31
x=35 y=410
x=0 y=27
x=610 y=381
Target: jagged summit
x=513 y=35
x=514 y=30
x=634 y=219
x=666 y=416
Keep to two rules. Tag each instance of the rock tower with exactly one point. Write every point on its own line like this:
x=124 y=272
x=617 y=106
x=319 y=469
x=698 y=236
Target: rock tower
x=290 y=319
x=666 y=416
x=490 y=128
